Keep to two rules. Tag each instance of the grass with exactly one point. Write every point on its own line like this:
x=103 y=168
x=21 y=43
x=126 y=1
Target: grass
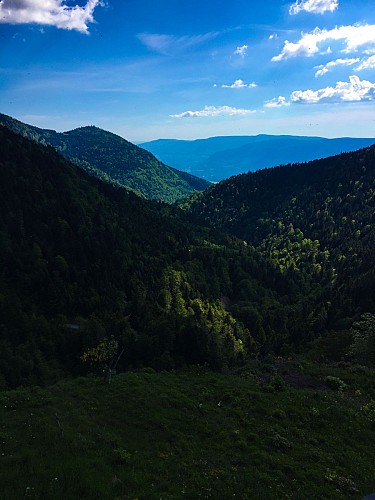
x=189 y=434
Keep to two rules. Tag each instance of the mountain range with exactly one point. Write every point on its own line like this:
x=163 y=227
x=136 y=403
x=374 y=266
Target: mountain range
x=218 y=158
x=115 y=160
x=83 y=260
x=274 y=262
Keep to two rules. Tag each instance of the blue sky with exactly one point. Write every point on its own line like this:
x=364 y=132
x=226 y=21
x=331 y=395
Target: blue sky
x=172 y=69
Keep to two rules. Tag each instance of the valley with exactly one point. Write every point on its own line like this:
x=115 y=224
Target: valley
x=239 y=321
x=187 y=250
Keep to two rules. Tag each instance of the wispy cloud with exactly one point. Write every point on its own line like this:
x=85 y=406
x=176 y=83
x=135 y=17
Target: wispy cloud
x=240 y=84
x=368 y=63
x=313 y=6
x=353 y=38
x=214 y=111
x=353 y=91
x=49 y=13
x=325 y=68
x=241 y=51
x=277 y=102
x=170 y=44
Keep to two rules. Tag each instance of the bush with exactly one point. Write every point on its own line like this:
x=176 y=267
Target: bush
x=281 y=442
x=335 y=383
x=278 y=383
x=369 y=410
x=363 y=346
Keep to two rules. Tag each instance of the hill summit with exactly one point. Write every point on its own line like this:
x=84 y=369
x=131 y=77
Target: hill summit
x=115 y=160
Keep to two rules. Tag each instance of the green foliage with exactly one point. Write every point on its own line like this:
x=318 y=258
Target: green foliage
x=87 y=264
x=335 y=383
x=102 y=353
x=123 y=455
x=83 y=261
x=281 y=442
x=369 y=410
x=315 y=222
x=114 y=160
x=278 y=383
x=363 y=346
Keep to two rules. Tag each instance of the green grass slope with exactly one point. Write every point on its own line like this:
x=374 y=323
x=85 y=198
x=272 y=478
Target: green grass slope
x=191 y=434
x=114 y=160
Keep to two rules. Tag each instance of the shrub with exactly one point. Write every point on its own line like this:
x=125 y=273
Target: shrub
x=281 y=442
x=335 y=383
x=278 y=383
x=369 y=410
x=363 y=346
x=123 y=455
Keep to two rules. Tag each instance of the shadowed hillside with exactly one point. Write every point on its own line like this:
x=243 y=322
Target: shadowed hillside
x=114 y=160
x=302 y=216
x=87 y=266
x=83 y=261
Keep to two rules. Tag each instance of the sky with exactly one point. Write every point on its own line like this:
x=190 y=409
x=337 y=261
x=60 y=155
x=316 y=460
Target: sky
x=150 y=69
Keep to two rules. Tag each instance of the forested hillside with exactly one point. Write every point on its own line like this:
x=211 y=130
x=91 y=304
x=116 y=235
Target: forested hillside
x=82 y=261
x=305 y=217
x=114 y=160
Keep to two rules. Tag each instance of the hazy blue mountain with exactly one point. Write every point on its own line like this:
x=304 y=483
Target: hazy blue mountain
x=218 y=158
x=114 y=160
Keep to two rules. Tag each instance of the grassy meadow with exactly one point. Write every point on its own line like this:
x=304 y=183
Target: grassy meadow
x=277 y=431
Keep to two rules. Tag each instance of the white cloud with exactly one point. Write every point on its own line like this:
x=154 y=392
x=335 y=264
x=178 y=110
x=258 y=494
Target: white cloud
x=327 y=52
x=368 y=63
x=354 y=90
x=313 y=6
x=353 y=38
x=325 y=68
x=214 y=111
x=277 y=102
x=170 y=44
x=240 y=84
x=241 y=51
x=49 y=13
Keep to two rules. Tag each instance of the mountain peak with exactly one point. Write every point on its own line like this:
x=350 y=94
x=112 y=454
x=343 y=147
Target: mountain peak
x=115 y=160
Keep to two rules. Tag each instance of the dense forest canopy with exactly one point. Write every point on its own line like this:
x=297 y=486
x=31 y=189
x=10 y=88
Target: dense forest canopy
x=258 y=264
x=307 y=218
x=83 y=260
x=114 y=160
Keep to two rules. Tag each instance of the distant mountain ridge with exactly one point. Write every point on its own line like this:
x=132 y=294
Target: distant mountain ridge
x=218 y=158
x=115 y=160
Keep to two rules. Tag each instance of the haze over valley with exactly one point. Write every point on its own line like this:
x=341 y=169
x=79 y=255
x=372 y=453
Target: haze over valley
x=218 y=158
